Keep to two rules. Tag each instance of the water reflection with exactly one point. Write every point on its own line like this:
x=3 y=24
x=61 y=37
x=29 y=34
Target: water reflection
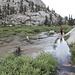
x=62 y=52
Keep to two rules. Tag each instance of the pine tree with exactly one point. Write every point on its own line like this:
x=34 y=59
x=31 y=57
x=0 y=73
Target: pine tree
x=46 y=20
x=7 y=11
x=25 y=9
x=59 y=20
x=48 y=8
x=0 y=13
x=36 y=10
x=12 y=0
x=66 y=19
x=0 y=10
x=4 y=10
x=51 y=19
x=8 y=0
x=12 y=10
x=70 y=21
x=21 y=6
x=32 y=6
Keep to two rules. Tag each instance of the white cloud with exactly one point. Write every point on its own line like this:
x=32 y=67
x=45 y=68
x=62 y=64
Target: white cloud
x=62 y=7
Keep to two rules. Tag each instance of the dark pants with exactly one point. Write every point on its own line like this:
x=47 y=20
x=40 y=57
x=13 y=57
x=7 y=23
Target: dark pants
x=61 y=32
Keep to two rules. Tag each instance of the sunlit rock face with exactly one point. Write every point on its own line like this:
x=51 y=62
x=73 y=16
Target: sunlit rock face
x=71 y=38
x=33 y=14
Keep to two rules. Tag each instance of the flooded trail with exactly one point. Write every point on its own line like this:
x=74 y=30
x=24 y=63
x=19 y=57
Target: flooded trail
x=63 y=54
x=45 y=44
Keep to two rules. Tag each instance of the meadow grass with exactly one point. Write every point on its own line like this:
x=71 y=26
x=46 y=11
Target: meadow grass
x=23 y=30
x=31 y=31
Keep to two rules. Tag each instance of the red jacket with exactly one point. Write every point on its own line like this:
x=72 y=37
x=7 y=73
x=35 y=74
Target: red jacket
x=61 y=28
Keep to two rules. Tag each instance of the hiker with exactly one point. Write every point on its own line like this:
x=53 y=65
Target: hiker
x=61 y=29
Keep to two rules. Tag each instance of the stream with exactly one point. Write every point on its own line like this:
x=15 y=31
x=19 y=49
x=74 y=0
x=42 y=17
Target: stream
x=62 y=52
x=34 y=47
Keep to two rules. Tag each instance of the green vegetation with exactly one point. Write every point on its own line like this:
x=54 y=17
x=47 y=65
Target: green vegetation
x=6 y=31
x=66 y=28
x=32 y=37
x=66 y=37
x=51 y=33
x=72 y=49
x=56 y=40
x=31 y=31
x=43 y=64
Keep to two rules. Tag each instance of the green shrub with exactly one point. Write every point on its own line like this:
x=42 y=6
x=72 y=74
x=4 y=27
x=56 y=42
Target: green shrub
x=67 y=28
x=72 y=50
x=32 y=38
x=43 y=64
x=66 y=37
x=56 y=40
x=51 y=33
x=37 y=30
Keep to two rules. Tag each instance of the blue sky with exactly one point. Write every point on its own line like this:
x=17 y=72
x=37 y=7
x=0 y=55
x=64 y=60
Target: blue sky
x=62 y=7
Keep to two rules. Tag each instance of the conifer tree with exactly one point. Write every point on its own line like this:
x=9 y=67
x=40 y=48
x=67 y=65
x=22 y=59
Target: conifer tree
x=12 y=10
x=59 y=20
x=46 y=20
x=12 y=0
x=66 y=19
x=21 y=6
x=8 y=0
x=0 y=13
x=0 y=10
x=7 y=11
x=48 y=8
x=51 y=19
x=70 y=21
x=24 y=9
x=32 y=7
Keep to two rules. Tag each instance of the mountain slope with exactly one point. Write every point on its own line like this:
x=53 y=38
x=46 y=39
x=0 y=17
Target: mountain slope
x=26 y=12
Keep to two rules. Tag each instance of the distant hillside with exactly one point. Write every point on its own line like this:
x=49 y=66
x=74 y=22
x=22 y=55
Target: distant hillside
x=27 y=12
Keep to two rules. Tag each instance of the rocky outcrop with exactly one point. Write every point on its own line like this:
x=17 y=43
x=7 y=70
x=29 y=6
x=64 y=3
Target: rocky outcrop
x=33 y=13
x=71 y=39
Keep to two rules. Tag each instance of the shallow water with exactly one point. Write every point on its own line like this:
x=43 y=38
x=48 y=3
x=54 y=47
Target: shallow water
x=62 y=51
x=46 y=44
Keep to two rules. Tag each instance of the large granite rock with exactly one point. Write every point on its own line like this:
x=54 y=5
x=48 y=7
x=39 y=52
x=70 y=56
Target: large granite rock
x=29 y=17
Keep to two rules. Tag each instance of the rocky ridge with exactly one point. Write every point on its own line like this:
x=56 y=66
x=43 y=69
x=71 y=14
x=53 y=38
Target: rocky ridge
x=26 y=12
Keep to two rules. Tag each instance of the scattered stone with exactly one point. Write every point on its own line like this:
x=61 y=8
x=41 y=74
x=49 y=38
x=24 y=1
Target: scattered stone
x=27 y=38
x=17 y=52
